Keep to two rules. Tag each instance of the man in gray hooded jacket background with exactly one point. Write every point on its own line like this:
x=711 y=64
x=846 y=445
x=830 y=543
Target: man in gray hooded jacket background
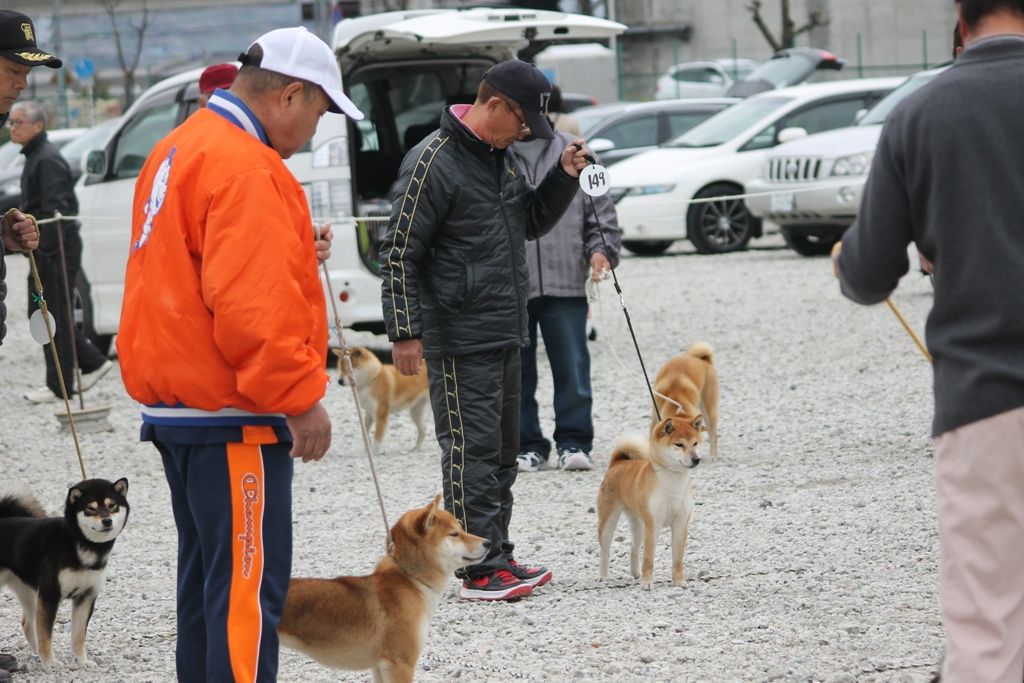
x=559 y=263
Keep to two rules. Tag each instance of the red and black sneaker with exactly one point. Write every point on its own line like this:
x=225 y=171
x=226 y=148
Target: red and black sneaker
x=498 y=585
x=534 y=576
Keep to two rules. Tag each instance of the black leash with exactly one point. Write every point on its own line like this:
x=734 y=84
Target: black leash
x=618 y=290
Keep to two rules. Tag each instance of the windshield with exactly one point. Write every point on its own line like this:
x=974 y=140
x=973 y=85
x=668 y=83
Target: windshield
x=782 y=71
x=877 y=113
x=725 y=126
x=94 y=138
x=591 y=116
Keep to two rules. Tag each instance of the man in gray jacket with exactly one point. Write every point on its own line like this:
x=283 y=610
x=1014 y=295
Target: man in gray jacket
x=948 y=175
x=558 y=264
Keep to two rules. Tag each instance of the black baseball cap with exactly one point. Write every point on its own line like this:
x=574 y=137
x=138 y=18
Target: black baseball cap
x=18 y=41
x=524 y=84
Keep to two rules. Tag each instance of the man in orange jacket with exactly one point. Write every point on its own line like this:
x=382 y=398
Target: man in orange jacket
x=223 y=340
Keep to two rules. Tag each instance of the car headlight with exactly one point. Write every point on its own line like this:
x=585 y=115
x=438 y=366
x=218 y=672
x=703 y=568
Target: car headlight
x=852 y=165
x=651 y=189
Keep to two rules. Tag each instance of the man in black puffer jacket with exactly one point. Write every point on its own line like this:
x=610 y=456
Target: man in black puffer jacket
x=455 y=290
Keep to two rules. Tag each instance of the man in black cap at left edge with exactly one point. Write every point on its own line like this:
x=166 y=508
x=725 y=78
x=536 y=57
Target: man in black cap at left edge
x=18 y=55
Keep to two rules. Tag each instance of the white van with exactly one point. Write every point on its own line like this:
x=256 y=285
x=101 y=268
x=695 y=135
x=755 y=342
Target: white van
x=400 y=68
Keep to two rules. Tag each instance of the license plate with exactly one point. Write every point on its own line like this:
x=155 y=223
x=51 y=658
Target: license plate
x=783 y=202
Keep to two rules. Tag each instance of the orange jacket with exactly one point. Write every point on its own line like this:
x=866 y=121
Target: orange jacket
x=223 y=306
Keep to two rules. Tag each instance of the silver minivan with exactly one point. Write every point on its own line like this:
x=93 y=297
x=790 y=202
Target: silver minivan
x=400 y=68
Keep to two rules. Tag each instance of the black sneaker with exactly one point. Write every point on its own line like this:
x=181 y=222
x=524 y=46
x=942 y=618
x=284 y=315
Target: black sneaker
x=498 y=585
x=8 y=662
x=534 y=576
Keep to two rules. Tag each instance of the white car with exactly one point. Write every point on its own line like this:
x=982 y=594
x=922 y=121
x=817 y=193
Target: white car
x=706 y=78
x=401 y=69
x=662 y=195
x=812 y=187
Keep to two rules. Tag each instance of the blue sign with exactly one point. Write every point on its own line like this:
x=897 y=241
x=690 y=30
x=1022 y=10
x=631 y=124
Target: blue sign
x=84 y=68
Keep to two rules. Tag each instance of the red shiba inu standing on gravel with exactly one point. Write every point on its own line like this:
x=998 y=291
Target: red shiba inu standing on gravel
x=384 y=391
x=379 y=622
x=689 y=382
x=650 y=482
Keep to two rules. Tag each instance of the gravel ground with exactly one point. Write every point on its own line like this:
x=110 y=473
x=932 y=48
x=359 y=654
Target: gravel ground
x=812 y=552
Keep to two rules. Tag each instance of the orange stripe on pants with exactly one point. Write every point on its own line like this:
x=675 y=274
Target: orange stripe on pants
x=245 y=618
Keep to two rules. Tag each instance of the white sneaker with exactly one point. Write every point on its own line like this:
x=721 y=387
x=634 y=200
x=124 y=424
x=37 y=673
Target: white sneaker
x=572 y=459
x=89 y=379
x=41 y=395
x=530 y=461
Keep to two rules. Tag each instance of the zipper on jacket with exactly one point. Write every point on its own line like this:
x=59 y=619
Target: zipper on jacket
x=499 y=167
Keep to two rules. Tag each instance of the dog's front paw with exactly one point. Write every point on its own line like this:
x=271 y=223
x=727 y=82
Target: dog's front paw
x=84 y=662
x=646 y=585
x=49 y=665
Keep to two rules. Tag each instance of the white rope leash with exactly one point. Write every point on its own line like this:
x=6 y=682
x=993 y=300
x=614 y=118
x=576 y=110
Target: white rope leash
x=705 y=200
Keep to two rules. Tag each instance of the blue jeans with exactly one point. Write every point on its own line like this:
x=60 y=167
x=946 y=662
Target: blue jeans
x=563 y=323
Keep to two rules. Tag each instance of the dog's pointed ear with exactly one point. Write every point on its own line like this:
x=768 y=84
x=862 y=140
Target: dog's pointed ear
x=698 y=423
x=121 y=486
x=74 y=493
x=669 y=427
x=337 y=352
x=428 y=519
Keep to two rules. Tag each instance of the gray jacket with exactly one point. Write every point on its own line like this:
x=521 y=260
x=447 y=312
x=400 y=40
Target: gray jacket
x=559 y=261
x=948 y=176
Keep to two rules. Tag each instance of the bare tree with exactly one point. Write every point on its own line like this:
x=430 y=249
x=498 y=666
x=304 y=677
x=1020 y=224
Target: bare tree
x=128 y=66
x=790 y=31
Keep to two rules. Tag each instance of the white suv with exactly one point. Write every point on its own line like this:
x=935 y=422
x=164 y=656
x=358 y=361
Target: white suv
x=812 y=187
x=401 y=69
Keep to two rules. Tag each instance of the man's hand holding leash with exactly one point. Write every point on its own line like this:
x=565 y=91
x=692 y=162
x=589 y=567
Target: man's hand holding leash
x=323 y=242
x=20 y=232
x=574 y=158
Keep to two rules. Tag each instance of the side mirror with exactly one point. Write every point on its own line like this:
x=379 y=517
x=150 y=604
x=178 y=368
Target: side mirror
x=96 y=162
x=861 y=113
x=601 y=145
x=789 y=134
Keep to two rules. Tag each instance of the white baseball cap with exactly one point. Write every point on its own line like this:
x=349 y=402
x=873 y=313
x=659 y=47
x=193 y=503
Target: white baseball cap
x=298 y=53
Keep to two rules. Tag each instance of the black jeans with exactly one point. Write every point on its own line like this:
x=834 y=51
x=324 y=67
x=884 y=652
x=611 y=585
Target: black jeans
x=89 y=357
x=475 y=398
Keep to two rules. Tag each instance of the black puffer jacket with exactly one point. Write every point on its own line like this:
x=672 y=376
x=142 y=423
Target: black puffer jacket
x=454 y=256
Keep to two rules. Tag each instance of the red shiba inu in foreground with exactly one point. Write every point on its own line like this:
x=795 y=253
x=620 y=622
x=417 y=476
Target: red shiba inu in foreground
x=650 y=482
x=384 y=391
x=689 y=382
x=379 y=622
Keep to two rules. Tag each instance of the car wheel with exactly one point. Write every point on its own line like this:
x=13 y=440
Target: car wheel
x=722 y=226
x=808 y=245
x=647 y=247
x=81 y=299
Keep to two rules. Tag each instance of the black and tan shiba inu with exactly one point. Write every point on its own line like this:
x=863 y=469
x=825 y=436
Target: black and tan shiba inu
x=45 y=560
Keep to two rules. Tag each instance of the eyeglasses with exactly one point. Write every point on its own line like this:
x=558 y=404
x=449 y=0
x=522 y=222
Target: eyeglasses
x=14 y=123
x=523 y=128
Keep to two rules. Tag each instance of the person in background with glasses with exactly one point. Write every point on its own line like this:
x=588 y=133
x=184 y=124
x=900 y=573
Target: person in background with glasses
x=47 y=188
x=454 y=291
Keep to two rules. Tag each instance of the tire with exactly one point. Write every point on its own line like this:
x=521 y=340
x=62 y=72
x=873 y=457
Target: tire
x=647 y=247
x=720 y=227
x=81 y=299
x=808 y=245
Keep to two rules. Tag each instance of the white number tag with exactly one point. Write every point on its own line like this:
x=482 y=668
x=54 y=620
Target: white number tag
x=37 y=327
x=594 y=180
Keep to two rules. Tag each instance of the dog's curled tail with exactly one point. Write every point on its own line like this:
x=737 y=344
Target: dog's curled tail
x=629 y=448
x=20 y=505
x=703 y=351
